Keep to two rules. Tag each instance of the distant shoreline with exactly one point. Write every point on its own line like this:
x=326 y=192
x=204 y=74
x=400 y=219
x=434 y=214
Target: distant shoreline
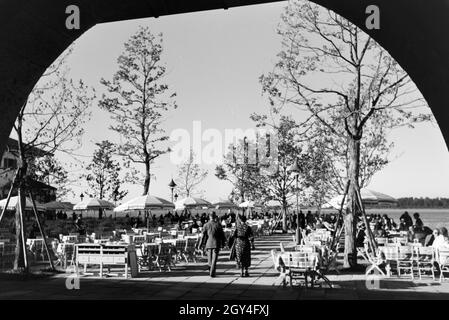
x=409 y=208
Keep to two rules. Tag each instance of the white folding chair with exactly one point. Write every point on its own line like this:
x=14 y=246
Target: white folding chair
x=443 y=262
x=425 y=260
x=405 y=259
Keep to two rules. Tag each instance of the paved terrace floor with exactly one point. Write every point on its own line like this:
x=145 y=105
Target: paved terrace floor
x=191 y=282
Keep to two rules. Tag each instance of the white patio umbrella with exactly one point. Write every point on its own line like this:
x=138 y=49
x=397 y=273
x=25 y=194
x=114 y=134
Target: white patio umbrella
x=224 y=204
x=368 y=197
x=58 y=205
x=28 y=204
x=93 y=204
x=273 y=204
x=247 y=204
x=192 y=203
x=335 y=202
x=145 y=203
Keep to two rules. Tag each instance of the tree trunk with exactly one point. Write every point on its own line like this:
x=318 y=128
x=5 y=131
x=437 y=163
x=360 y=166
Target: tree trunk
x=350 y=219
x=19 y=259
x=284 y=215
x=146 y=186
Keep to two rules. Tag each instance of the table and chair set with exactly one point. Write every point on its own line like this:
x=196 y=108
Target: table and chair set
x=398 y=255
x=7 y=248
x=309 y=260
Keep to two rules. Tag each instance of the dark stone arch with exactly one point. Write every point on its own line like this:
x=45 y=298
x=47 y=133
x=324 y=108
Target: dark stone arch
x=33 y=35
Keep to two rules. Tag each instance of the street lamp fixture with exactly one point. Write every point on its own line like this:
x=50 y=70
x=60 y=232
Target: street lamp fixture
x=176 y=197
x=81 y=196
x=172 y=186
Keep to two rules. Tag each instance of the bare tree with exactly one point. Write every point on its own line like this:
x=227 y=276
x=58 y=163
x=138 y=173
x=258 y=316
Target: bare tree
x=241 y=168
x=338 y=76
x=190 y=175
x=137 y=100
x=50 y=120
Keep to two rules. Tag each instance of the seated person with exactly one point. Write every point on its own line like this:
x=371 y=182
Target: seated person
x=418 y=222
x=79 y=226
x=319 y=224
x=411 y=234
x=442 y=240
x=431 y=238
x=403 y=225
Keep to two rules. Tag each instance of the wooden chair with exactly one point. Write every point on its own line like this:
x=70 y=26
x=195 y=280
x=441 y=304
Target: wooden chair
x=150 y=253
x=405 y=259
x=65 y=253
x=142 y=257
x=389 y=255
x=190 y=250
x=7 y=255
x=179 y=249
x=38 y=250
x=443 y=262
x=164 y=256
x=425 y=260
x=300 y=265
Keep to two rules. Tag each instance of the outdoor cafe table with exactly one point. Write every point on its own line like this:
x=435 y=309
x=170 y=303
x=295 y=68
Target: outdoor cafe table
x=70 y=238
x=33 y=242
x=171 y=241
x=140 y=230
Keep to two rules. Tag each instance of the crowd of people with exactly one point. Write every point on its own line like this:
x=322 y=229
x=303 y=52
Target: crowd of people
x=241 y=241
x=413 y=228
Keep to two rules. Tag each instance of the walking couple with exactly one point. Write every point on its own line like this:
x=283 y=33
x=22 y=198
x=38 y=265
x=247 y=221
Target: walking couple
x=214 y=239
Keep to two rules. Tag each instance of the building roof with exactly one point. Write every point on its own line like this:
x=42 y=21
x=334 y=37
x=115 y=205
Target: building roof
x=40 y=185
x=12 y=146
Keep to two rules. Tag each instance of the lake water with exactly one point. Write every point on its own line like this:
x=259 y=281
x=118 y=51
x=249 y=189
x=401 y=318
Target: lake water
x=432 y=218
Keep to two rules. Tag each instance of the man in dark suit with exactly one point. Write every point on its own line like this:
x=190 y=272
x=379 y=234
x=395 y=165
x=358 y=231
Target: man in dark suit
x=214 y=239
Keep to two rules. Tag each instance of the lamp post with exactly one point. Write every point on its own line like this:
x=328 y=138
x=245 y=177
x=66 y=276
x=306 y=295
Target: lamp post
x=172 y=186
x=294 y=168
x=81 y=196
x=176 y=197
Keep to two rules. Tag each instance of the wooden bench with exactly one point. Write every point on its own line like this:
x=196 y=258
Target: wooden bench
x=107 y=255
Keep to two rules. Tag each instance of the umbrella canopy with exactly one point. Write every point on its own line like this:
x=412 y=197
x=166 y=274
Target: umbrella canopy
x=58 y=205
x=28 y=204
x=273 y=204
x=368 y=197
x=247 y=204
x=225 y=204
x=145 y=203
x=191 y=202
x=93 y=204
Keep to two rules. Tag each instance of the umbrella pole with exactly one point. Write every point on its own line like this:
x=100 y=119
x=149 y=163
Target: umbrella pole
x=42 y=231
x=9 y=196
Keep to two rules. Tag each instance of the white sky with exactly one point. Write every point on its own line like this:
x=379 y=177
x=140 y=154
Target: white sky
x=214 y=61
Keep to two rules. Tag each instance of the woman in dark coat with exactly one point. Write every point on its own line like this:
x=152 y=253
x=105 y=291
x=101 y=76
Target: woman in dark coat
x=243 y=235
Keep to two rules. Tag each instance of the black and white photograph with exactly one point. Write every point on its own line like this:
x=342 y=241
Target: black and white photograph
x=234 y=150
